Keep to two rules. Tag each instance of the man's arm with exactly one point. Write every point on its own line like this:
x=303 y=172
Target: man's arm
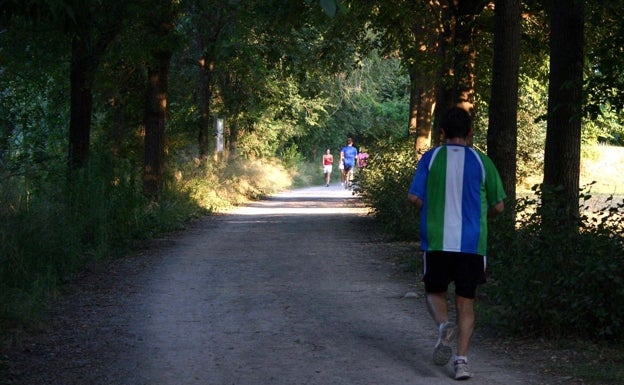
x=415 y=200
x=496 y=209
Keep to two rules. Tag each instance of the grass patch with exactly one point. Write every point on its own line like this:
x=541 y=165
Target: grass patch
x=595 y=364
x=601 y=165
x=219 y=186
x=311 y=174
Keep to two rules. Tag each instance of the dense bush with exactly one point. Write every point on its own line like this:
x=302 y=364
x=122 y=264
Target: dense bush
x=558 y=282
x=50 y=231
x=383 y=185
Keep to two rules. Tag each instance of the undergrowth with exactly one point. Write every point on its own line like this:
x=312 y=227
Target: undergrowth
x=50 y=229
x=557 y=282
x=383 y=185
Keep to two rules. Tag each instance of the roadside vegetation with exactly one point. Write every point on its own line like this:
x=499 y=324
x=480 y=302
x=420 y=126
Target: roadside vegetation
x=50 y=232
x=120 y=121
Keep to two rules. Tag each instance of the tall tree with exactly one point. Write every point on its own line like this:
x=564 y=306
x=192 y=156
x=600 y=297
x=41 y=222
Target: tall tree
x=209 y=20
x=465 y=52
x=161 y=24
x=444 y=67
x=420 y=57
x=502 y=136
x=562 y=154
x=455 y=81
x=92 y=27
x=409 y=29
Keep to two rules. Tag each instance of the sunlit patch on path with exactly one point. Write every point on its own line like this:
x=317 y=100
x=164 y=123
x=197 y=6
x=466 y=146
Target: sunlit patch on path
x=317 y=200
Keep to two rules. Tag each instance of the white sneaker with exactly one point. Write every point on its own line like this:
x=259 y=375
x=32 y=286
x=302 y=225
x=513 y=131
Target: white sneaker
x=461 y=370
x=442 y=352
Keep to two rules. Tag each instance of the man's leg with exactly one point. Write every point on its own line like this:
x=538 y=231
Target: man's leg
x=436 y=304
x=465 y=323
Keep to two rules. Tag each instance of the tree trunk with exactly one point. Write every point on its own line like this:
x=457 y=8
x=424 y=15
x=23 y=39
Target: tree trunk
x=81 y=100
x=443 y=94
x=209 y=21
x=425 y=113
x=232 y=141
x=562 y=156
x=502 y=136
x=155 y=121
x=92 y=33
x=414 y=102
x=421 y=102
x=8 y=126
x=206 y=128
x=118 y=128
x=465 y=53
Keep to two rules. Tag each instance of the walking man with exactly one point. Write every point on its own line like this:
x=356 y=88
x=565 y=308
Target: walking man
x=457 y=188
x=348 y=155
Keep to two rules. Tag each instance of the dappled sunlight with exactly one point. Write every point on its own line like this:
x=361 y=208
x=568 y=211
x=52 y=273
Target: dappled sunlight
x=299 y=211
x=319 y=200
x=605 y=167
x=602 y=166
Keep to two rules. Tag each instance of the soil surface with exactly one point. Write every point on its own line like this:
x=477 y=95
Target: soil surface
x=297 y=289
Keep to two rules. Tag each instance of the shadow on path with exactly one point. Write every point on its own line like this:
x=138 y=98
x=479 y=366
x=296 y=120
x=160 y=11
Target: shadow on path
x=294 y=289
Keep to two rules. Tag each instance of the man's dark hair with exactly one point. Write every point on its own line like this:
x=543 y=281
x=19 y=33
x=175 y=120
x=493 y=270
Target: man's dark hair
x=456 y=123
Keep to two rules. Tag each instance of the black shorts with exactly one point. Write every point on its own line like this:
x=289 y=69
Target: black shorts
x=467 y=271
x=347 y=168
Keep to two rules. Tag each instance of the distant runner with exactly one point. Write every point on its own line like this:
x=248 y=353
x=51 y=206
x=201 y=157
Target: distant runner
x=348 y=156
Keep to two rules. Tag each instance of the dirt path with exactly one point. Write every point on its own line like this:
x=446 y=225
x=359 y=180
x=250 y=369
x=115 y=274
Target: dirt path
x=296 y=289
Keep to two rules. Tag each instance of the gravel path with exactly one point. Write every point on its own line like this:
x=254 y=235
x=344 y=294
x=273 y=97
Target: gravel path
x=296 y=289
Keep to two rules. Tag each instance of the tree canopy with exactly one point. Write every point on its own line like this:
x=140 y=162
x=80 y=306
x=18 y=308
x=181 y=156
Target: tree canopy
x=280 y=73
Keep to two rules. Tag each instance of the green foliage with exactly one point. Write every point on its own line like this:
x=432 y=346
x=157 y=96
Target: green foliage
x=51 y=229
x=33 y=102
x=329 y=6
x=368 y=104
x=310 y=173
x=556 y=282
x=37 y=247
x=531 y=128
x=607 y=127
x=291 y=156
x=383 y=185
x=604 y=79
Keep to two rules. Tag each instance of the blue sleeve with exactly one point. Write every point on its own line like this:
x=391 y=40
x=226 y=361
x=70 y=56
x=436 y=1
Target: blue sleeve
x=419 y=182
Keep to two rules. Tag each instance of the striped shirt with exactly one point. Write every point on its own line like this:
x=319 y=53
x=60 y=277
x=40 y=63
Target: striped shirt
x=457 y=185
